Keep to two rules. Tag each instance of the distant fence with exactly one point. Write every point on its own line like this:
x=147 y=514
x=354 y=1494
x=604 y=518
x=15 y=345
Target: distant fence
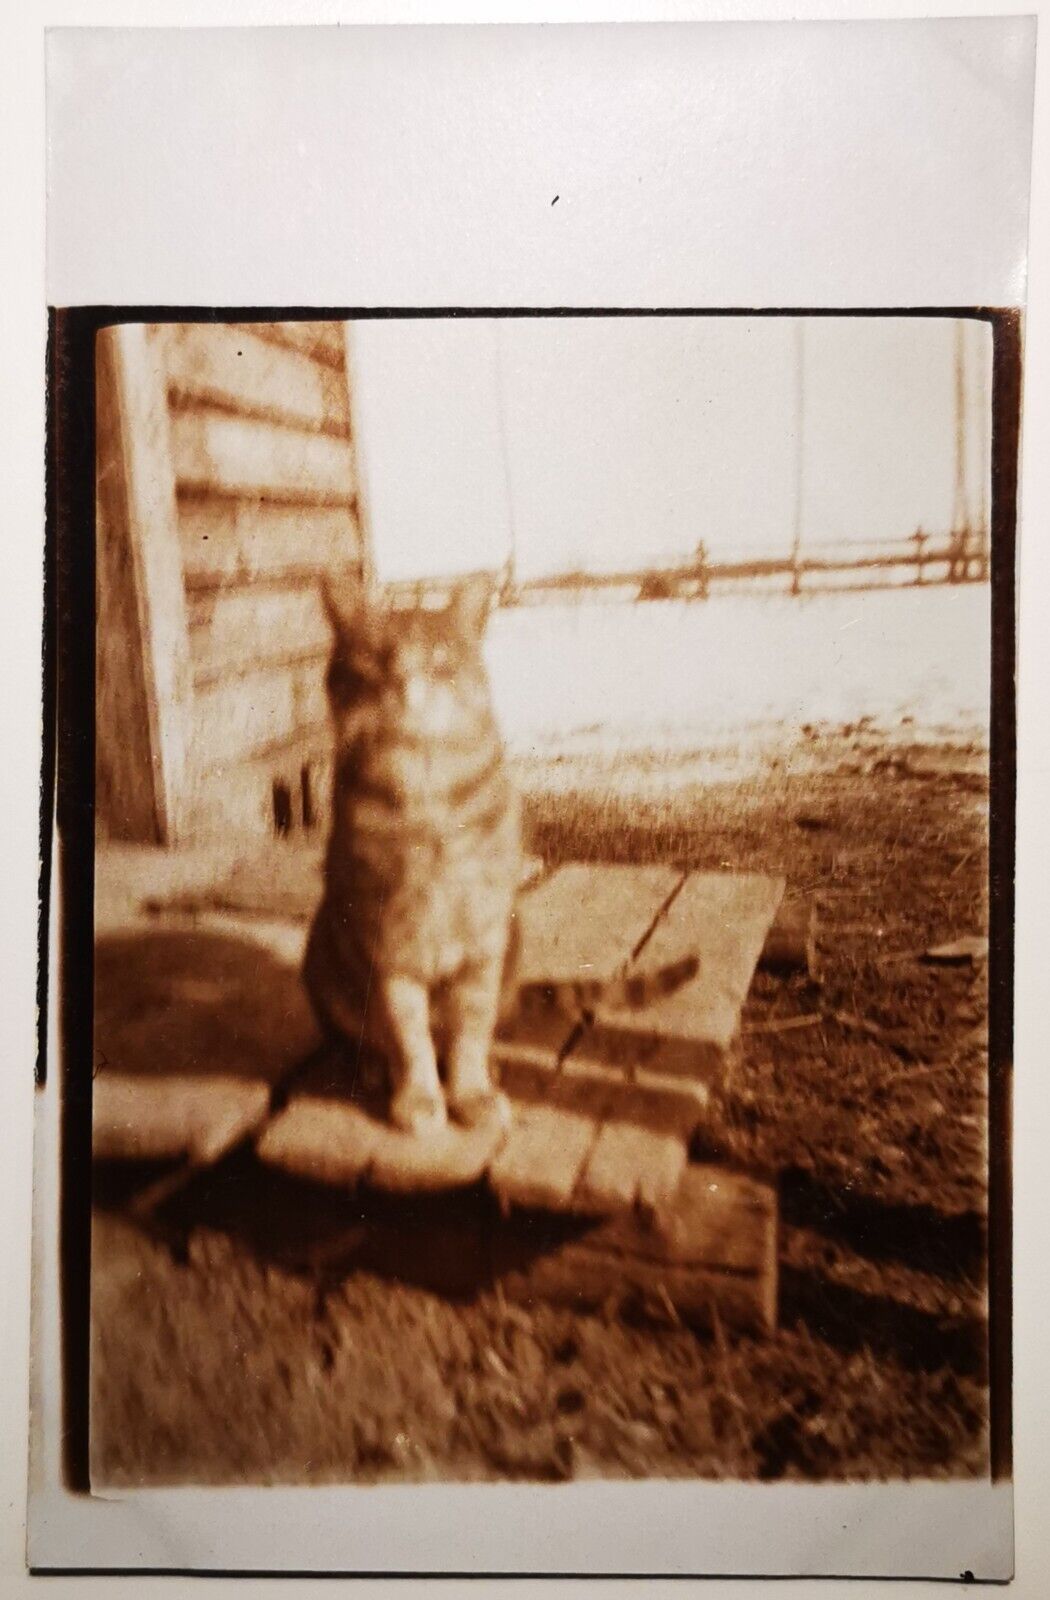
x=919 y=559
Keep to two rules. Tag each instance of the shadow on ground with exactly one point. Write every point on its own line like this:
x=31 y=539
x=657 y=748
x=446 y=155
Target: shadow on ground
x=174 y=1001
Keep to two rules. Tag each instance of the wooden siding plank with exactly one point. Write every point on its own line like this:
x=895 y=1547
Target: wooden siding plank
x=243 y=716
x=241 y=456
x=233 y=631
x=238 y=796
x=323 y=341
x=228 y=540
x=141 y=514
x=359 y=434
x=216 y=364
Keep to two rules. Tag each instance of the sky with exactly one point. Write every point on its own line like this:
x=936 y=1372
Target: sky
x=607 y=443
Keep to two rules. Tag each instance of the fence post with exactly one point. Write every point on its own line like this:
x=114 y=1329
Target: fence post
x=920 y=555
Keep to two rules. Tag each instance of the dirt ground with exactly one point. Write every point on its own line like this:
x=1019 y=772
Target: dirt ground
x=217 y=1357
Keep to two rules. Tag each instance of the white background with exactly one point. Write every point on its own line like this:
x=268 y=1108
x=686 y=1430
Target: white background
x=607 y=443
x=462 y=242
x=725 y=167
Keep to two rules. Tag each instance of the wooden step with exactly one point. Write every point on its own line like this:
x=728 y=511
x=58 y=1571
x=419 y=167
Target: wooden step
x=191 y=1117
x=724 y=917
x=604 y=1110
x=707 y=1255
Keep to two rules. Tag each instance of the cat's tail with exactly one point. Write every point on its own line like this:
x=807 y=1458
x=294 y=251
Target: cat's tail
x=631 y=993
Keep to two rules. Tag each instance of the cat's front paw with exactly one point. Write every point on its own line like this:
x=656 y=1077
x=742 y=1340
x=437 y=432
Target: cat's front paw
x=418 y=1111
x=480 y=1106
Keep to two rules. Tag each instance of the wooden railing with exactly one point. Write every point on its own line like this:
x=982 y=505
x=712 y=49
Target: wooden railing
x=958 y=558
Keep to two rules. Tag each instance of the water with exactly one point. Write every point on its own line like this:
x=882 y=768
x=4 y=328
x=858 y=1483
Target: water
x=741 y=667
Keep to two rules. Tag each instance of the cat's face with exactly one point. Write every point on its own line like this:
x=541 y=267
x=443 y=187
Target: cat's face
x=421 y=669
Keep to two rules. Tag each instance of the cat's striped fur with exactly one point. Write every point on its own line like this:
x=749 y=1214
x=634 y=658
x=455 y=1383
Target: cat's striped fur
x=413 y=947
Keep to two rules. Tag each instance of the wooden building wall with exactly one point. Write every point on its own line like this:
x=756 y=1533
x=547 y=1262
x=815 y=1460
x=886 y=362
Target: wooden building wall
x=226 y=486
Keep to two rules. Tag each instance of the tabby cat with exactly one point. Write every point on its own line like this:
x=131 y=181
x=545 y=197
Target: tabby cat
x=413 y=947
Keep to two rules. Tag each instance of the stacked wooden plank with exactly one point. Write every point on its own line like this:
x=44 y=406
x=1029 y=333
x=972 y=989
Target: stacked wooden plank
x=605 y=1103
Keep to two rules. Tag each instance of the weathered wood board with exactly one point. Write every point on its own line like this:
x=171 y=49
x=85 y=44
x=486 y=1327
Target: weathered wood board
x=723 y=918
x=285 y=880
x=576 y=1142
x=584 y=920
x=708 y=1259
x=630 y=1166
x=244 y=716
x=335 y=1130
x=145 y=687
x=709 y=1253
x=791 y=943
x=232 y=367
x=192 y=1116
x=541 y=1161
x=225 y=540
x=663 y=1104
x=261 y=626
x=346 y=1143
x=323 y=341
x=588 y=1140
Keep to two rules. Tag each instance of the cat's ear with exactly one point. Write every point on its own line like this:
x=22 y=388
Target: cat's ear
x=345 y=602
x=470 y=604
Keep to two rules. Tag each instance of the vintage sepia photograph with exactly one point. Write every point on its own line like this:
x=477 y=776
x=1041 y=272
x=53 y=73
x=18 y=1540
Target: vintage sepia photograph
x=538 y=958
